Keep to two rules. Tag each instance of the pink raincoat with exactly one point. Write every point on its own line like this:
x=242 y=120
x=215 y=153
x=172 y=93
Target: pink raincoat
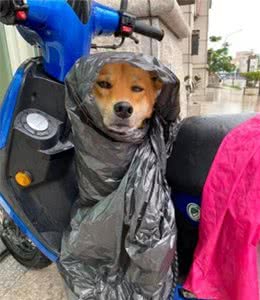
x=225 y=264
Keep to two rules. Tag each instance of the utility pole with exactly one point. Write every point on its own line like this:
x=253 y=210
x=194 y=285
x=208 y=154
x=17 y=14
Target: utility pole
x=225 y=43
x=230 y=34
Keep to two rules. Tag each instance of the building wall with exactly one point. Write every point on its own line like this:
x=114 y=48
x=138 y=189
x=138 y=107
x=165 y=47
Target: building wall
x=197 y=16
x=171 y=54
x=14 y=50
x=200 y=62
x=243 y=64
x=244 y=58
x=189 y=13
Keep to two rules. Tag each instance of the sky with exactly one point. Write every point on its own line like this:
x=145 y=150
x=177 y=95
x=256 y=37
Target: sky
x=238 y=22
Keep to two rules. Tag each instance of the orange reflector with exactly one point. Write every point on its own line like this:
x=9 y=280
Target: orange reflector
x=24 y=179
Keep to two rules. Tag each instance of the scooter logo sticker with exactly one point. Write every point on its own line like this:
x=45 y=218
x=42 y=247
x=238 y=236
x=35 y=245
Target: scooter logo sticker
x=193 y=211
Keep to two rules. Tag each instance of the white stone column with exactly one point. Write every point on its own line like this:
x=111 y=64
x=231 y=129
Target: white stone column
x=200 y=62
x=5 y=68
x=18 y=49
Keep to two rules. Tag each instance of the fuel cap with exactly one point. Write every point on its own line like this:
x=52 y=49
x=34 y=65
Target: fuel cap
x=37 y=122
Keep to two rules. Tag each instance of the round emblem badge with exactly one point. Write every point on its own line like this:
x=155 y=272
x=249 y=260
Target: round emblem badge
x=193 y=211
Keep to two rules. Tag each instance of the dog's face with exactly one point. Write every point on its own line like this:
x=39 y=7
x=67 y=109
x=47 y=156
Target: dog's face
x=125 y=96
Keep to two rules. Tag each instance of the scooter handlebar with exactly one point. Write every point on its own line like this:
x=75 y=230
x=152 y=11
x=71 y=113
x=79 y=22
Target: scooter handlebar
x=46 y=19
x=149 y=31
x=12 y=11
x=2 y=7
x=5 y=11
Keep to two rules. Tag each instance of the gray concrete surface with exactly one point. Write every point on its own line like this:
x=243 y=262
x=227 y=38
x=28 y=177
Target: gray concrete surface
x=19 y=283
x=223 y=101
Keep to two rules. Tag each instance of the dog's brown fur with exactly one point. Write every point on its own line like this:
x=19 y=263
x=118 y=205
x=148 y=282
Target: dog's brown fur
x=122 y=82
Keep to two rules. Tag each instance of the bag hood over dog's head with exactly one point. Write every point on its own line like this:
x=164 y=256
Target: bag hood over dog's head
x=83 y=76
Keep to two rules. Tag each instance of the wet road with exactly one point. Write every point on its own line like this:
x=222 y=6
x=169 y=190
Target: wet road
x=224 y=101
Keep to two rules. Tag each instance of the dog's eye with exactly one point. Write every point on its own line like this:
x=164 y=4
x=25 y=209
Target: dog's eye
x=104 y=84
x=137 y=89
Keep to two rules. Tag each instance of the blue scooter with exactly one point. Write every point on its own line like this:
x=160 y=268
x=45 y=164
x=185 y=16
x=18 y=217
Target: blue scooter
x=33 y=118
x=37 y=176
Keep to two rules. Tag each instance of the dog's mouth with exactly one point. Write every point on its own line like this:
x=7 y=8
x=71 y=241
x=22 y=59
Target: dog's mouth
x=125 y=129
x=120 y=129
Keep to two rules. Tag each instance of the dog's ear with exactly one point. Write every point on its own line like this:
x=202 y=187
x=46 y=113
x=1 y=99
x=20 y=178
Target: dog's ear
x=156 y=81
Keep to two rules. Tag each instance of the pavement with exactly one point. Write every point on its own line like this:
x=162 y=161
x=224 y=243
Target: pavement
x=20 y=283
x=222 y=101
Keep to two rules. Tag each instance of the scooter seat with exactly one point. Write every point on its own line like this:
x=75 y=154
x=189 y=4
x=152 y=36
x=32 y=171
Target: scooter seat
x=195 y=148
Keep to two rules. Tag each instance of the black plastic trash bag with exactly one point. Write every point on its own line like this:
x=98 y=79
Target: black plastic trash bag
x=122 y=237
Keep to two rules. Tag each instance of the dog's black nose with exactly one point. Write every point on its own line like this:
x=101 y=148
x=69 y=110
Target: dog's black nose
x=123 y=110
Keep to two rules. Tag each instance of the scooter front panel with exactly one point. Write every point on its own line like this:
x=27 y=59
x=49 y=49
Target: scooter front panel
x=46 y=154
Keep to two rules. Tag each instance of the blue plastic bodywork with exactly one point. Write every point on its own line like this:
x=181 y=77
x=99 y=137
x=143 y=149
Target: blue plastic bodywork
x=8 y=106
x=62 y=36
x=177 y=295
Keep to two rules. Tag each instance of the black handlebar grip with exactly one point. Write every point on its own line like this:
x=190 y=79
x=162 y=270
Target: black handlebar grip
x=13 y=11
x=4 y=7
x=149 y=31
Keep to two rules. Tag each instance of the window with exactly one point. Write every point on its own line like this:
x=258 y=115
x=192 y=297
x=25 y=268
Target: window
x=195 y=42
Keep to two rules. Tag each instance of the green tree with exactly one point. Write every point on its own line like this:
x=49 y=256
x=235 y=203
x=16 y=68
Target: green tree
x=252 y=79
x=219 y=60
x=214 y=38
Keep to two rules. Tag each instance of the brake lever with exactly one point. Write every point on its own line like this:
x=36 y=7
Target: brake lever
x=134 y=39
x=113 y=47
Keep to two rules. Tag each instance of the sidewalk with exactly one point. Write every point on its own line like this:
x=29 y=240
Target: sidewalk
x=223 y=101
x=19 y=283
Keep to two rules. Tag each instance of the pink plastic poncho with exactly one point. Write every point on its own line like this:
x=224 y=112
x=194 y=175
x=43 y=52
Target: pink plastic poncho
x=225 y=264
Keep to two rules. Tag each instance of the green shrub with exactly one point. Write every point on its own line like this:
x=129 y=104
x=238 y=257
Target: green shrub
x=252 y=78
